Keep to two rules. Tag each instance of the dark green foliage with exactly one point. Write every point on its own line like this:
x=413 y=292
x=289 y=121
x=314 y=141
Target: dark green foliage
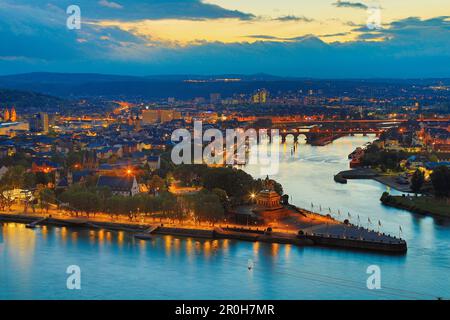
x=384 y=159
x=441 y=181
x=417 y=181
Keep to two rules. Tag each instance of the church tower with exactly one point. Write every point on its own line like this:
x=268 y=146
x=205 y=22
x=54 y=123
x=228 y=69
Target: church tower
x=13 y=115
x=6 y=115
x=57 y=178
x=69 y=178
x=137 y=124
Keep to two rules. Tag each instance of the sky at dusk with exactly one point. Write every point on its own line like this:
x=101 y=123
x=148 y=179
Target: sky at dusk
x=314 y=38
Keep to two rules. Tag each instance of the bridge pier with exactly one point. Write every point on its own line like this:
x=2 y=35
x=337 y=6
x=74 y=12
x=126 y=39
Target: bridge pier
x=267 y=134
x=295 y=134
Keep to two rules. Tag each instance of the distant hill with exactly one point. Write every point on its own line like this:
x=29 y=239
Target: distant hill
x=72 y=78
x=30 y=101
x=77 y=78
x=155 y=86
x=68 y=85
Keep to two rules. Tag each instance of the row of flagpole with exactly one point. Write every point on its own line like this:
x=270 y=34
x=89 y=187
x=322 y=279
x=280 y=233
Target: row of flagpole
x=369 y=222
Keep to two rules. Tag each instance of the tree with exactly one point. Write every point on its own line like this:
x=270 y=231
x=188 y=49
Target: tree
x=14 y=177
x=29 y=180
x=116 y=205
x=43 y=178
x=223 y=197
x=149 y=204
x=190 y=174
x=74 y=159
x=156 y=184
x=235 y=182
x=417 y=181
x=5 y=197
x=440 y=179
x=433 y=158
x=207 y=206
x=46 y=197
x=168 y=204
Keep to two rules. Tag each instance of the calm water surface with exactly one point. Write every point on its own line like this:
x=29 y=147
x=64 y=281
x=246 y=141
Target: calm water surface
x=116 y=266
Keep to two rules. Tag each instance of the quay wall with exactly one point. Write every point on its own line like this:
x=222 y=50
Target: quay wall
x=392 y=247
x=185 y=232
x=321 y=240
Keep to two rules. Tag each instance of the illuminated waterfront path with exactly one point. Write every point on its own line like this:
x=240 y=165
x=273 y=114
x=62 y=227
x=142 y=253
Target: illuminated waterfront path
x=332 y=233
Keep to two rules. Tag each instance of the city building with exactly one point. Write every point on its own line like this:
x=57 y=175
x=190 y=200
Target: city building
x=11 y=128
x=169 y=115
x=260 y=96
x=9 y=115
x=39 y=122
x=154 y=162
x=44 y=165
x=214 y=98
x=124 y=186
x=152 y=116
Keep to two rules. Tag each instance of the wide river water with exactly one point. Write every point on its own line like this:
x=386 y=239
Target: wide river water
x=113 y=265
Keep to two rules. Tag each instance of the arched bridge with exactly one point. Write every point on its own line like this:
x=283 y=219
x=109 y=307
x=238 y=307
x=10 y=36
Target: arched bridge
x=319 y=136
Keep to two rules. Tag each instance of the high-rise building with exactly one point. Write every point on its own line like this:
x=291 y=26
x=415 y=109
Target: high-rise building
x=260 y=96
x=214 y=98
x=199 y=100
x=39 y=122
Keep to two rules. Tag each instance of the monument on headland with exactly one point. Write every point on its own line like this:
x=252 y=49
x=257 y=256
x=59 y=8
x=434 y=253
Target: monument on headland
x=268 y=198
x=268 y=203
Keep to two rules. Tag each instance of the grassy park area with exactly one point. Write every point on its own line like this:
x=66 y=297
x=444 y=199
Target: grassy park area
x=423 y=205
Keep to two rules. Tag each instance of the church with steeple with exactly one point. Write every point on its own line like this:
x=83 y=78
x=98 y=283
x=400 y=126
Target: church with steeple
x=9 y=115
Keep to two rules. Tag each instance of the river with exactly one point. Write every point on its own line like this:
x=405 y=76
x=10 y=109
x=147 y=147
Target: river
x=113 y=265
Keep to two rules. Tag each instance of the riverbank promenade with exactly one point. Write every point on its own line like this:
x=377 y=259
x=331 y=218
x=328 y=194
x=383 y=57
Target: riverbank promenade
x=306 y=229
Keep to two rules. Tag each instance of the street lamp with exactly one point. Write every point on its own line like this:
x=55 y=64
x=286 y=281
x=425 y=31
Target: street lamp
x=252 y=196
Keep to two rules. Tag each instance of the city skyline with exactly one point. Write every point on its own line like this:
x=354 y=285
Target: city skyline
x=321 y=39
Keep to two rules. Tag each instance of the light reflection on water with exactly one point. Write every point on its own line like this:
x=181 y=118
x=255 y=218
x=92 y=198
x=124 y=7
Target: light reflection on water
x=116 y=266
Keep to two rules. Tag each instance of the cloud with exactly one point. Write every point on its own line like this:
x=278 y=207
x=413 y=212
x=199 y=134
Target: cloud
x=110 y=4
x=348 y=4
x=40 y=34
x=263 y=36
x=337 y=34
x=35 y=38
x=140 y=10
x=286 y=39
x=294 y=18
x=413 y=36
